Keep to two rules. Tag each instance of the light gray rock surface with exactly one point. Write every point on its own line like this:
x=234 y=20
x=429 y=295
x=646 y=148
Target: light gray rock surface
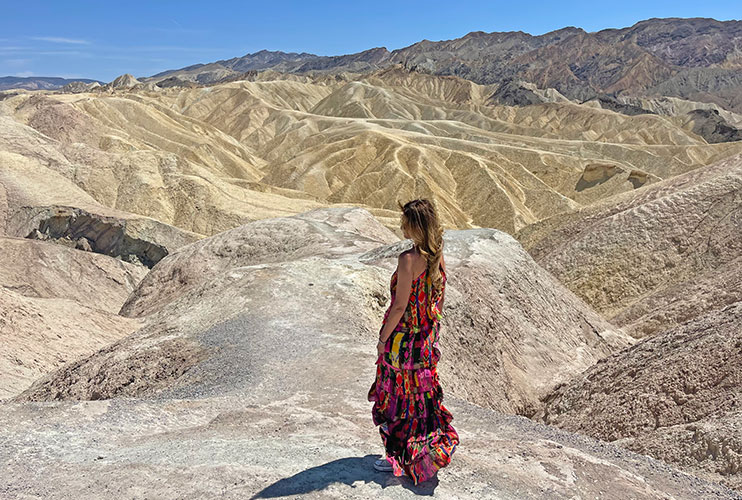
x=251 y=380
x=319 y=280
x=318 y=444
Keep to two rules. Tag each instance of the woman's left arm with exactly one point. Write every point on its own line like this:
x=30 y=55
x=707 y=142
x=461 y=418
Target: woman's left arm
x=401 y=296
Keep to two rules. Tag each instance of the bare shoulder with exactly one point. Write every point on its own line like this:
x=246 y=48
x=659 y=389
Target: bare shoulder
x=406 y=259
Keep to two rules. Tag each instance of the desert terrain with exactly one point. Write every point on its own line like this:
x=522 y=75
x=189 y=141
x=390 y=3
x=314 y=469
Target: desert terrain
x=195 y=265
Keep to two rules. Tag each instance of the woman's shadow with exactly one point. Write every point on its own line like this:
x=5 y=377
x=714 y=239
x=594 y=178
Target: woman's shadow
x=345 y=470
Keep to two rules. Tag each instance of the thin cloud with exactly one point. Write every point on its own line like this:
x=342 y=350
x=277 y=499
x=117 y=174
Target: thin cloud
x=68 y=76
x=133 y=58
x=24 y=52
x=75 y=53
x=179 y=29
x=166 y=48
x=17 y=62
x=24 y=74
x=59 y=39
x=106 y=52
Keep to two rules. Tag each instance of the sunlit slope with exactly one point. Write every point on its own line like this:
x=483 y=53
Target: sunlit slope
x=57 y=304
x=130 y=153
x=393 y=131
x=655 y=258
x=210 y=158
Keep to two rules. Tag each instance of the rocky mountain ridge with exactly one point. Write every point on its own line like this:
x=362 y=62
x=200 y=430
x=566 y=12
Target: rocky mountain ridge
x=699 y=59
x=654 y=57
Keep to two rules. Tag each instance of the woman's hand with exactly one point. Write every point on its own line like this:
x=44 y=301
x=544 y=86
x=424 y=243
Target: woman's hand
x=380 y=348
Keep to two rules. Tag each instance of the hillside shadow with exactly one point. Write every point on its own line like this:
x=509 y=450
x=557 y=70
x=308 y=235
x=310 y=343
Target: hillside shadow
x=345 y=470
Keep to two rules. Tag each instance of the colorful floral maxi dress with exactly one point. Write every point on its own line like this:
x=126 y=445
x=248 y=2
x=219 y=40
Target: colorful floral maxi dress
x=414 y=425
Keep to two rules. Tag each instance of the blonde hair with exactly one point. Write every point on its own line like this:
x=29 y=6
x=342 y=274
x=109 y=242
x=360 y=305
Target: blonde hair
x=420 y=217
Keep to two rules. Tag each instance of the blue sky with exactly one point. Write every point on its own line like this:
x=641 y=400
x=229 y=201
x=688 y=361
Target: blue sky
x=101 y=40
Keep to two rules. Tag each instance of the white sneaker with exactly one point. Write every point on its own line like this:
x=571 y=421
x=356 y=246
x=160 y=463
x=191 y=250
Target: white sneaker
x=383 y=465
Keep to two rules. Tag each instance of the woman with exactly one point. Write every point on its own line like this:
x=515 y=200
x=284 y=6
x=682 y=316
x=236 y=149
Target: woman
x=415 y=427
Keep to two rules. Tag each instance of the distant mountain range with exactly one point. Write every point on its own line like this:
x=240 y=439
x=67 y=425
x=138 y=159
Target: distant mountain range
x=692 y=58
x=39 y=82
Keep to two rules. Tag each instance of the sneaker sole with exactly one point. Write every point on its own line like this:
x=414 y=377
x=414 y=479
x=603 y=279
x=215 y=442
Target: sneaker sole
x=383 y=468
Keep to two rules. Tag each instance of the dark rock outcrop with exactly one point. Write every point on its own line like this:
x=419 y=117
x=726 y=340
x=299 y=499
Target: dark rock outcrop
x=101 y=234
x=708 y=124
